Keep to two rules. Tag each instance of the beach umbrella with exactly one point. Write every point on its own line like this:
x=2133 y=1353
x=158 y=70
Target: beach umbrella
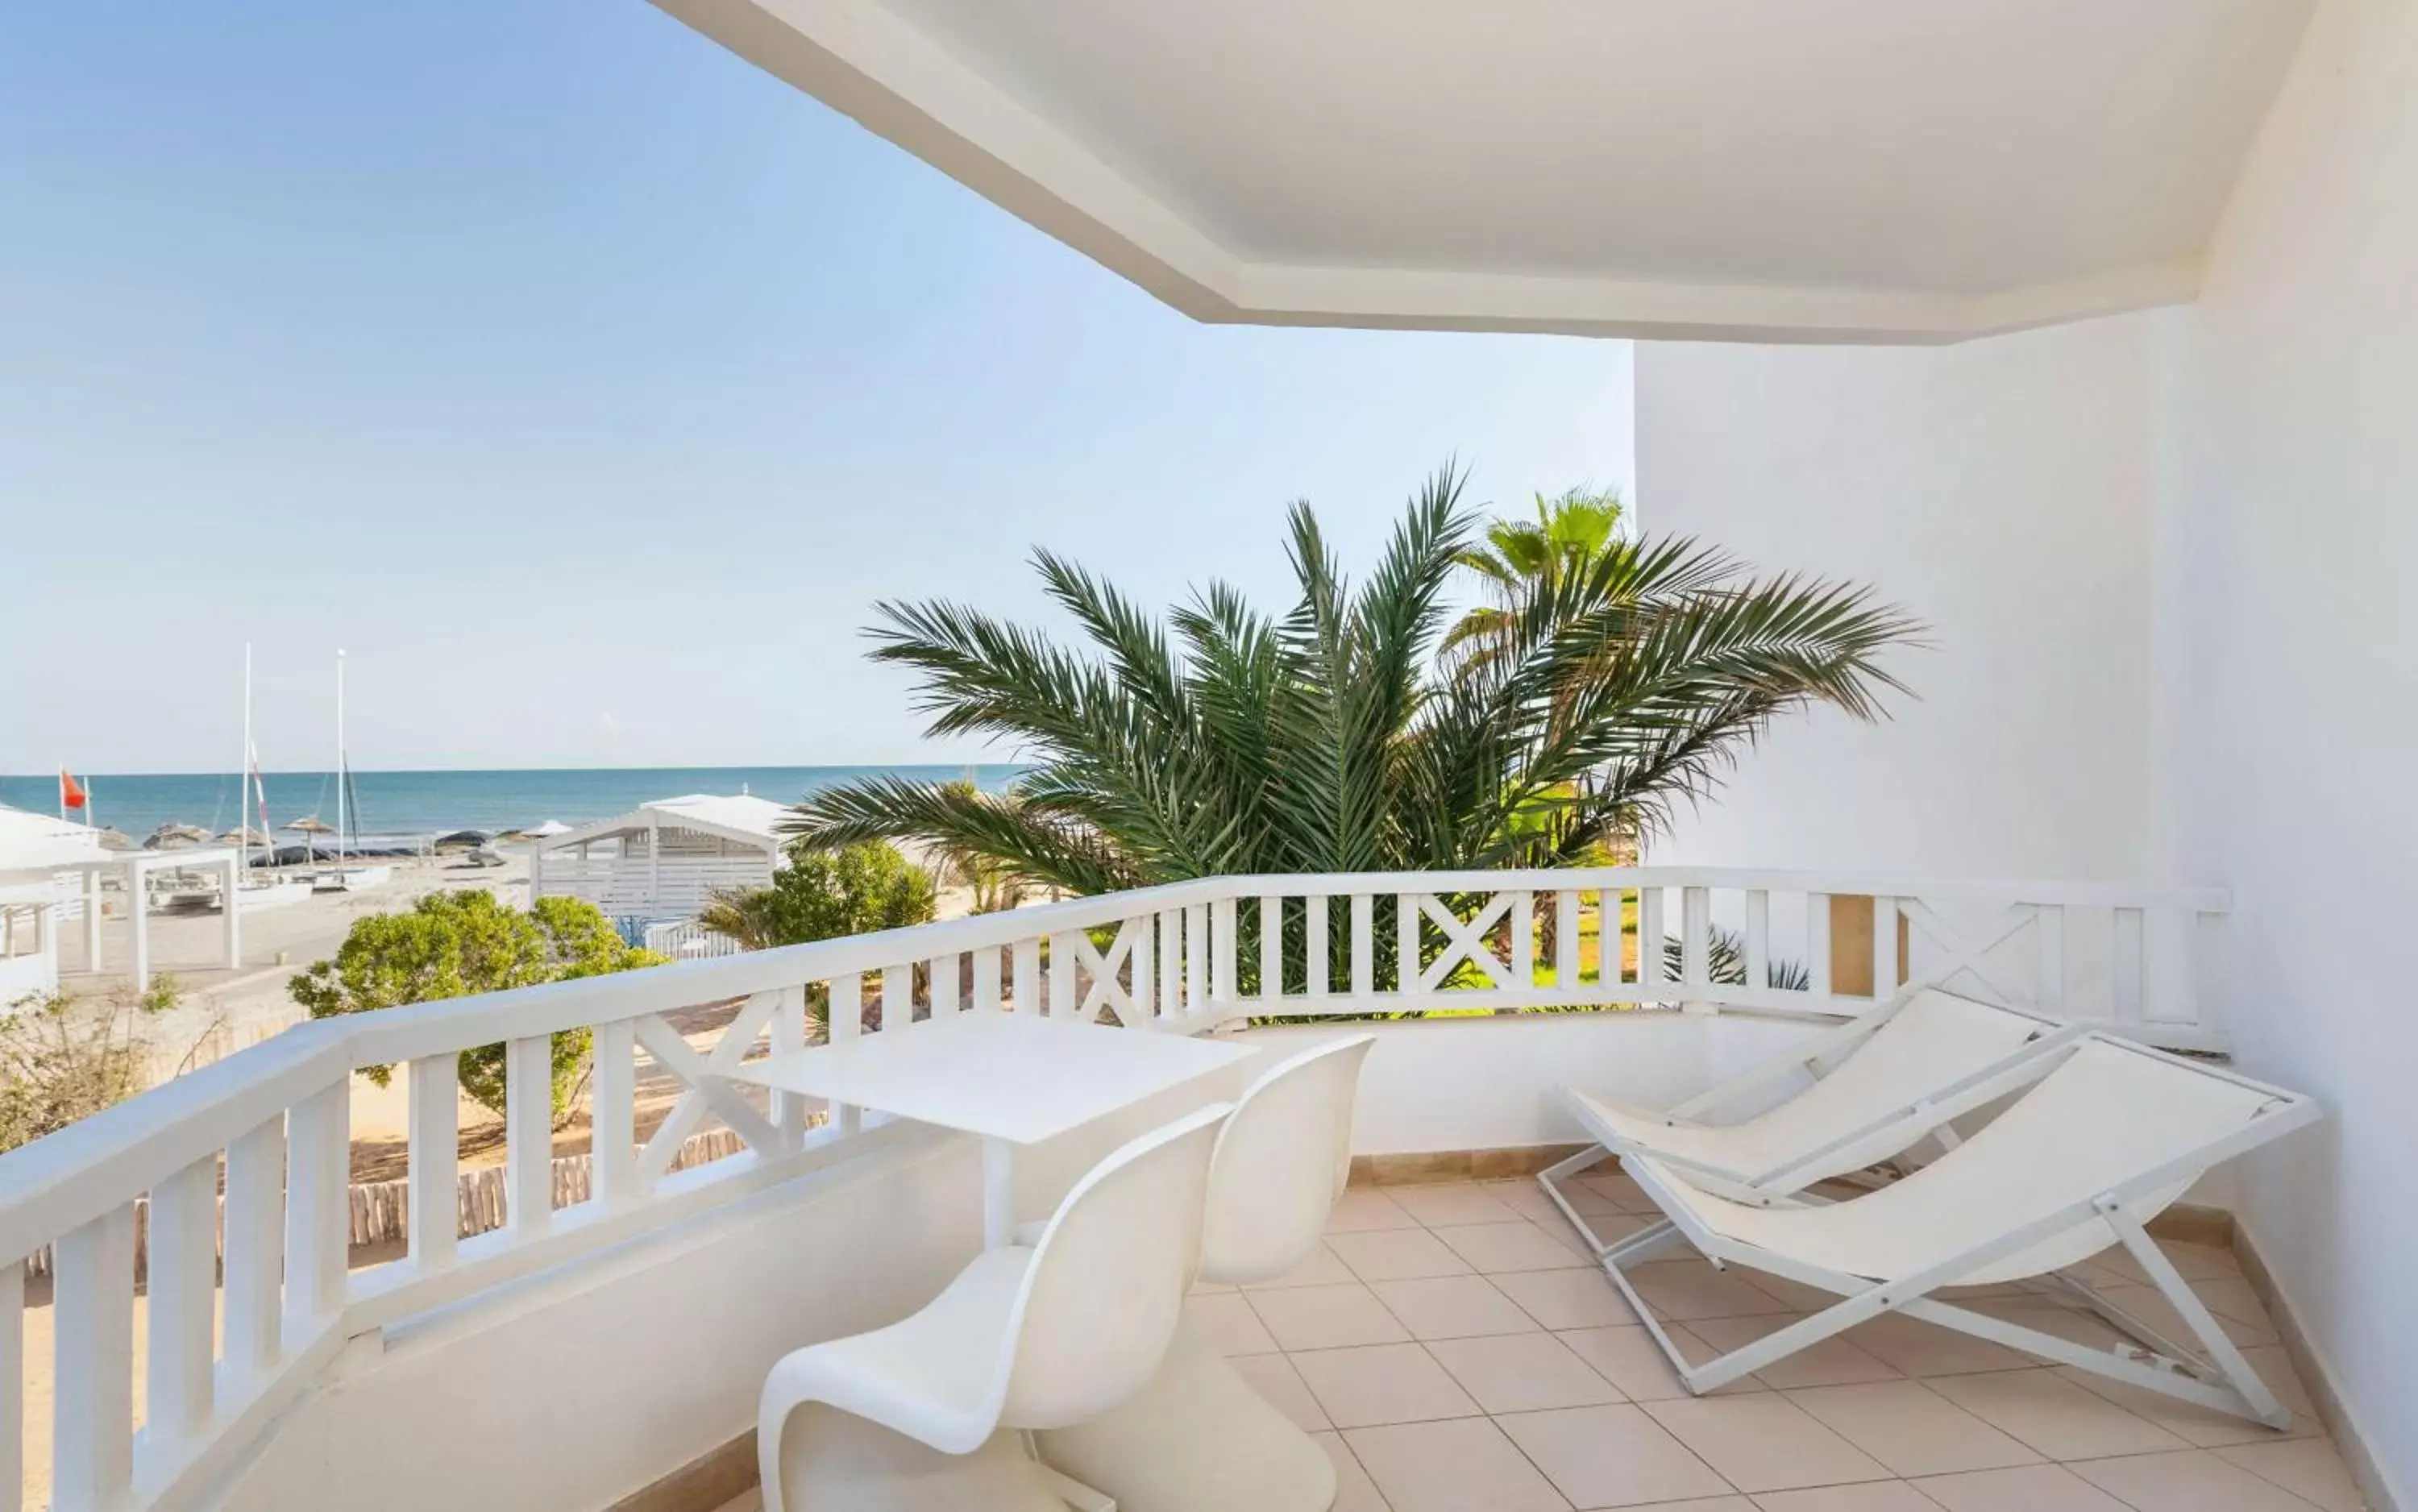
x=309 y=824
x=173 y=837
x=115 y=840
x=245 y=835
x=548 y=829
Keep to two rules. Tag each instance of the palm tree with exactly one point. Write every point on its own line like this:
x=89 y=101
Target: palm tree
x=1226 y=741
x=1571 y=533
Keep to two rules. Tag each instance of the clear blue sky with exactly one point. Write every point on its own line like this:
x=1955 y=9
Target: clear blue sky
x=587 y=386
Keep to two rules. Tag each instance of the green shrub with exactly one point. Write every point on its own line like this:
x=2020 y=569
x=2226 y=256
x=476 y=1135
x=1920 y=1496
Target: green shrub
x=458 y=944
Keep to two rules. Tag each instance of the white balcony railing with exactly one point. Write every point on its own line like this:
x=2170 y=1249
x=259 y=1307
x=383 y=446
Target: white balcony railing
x=1181 y=958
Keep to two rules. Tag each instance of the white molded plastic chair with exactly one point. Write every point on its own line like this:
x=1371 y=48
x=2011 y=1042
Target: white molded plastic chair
x=2111 y=1135
x=919 y=1415
x=1884 y=1081
x=1199 y=1438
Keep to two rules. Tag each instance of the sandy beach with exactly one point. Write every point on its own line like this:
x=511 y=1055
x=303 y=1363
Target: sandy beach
x=225 y=1011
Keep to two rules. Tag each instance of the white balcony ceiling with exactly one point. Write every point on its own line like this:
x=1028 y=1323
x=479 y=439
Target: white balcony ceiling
x=1887 y=170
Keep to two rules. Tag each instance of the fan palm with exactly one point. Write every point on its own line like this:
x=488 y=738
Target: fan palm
x=1569 y=533
x=1225 y=740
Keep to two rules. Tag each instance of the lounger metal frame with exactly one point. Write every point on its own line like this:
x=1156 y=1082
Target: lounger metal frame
x=1818 y=1054
x=2218 y=1376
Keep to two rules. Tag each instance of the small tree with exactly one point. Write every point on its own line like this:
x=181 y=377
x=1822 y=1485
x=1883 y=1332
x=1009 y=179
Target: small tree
x=825 y=894
x=65 y=1057
x=457 y=944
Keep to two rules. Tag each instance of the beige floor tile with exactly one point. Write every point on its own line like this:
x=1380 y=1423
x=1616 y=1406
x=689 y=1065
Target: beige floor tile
x=1567 y=1299
x=1363 y=1208
x=2310 y=1469
x=1915 y=1348
x=2150 y=1306
x=1453 y=1307
x=1833 y=1362
x=2054 y=1415
x=1911 y=1429
x=1326 y=1316
x=1441 y=1207
x=1621 y=1189
x=1466 y=1466
x=1761 y=1441
x=1275 y=1378
x=2195 y=1263
x=1873 y=1496
x=1794 y=1295
x=1699 y=1504
x=2206 y=1428
x=1395 y=1255
x=1523 y=1372
x=1608 y=1457
x=1630 y=1359
x=1529 y=1201
x=2230 y=1296
x=2023 y=1488
x=1690 y=1289
x=1354 y=1490
x=1228 y=1323
x=1321 y=1267
x=2194 y=1480
x=1382 y=1383
x=2054 y=1318
x=1503 y=1248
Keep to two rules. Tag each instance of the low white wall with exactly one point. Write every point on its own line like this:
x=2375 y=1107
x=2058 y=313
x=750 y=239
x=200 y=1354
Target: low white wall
x=570 y=1390
x=1491 y=1083
x=573 y=1389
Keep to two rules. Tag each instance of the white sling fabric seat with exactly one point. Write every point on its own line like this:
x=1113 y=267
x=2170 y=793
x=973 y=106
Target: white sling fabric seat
x=2104 y=1141
x=1883 y=1082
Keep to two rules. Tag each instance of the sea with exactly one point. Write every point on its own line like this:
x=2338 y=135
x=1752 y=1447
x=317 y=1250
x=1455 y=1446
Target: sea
x=400 y=806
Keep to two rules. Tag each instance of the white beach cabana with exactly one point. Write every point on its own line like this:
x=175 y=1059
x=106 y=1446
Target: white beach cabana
x=33 y=847
x=664 y=859
x=39 y=855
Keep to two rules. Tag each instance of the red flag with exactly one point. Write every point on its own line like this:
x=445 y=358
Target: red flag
x=70 y=791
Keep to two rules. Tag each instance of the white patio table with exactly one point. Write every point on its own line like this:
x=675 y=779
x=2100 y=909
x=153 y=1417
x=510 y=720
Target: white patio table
x=1012 y=1079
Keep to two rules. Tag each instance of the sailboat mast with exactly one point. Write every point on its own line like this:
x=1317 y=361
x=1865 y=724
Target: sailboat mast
x=340 y=771
x=243 y=776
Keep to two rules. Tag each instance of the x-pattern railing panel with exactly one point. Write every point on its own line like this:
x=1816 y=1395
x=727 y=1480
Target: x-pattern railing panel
x=1464 y=942
x=709 y=1088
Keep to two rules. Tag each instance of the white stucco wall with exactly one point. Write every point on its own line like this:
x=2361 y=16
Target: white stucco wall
x=2004 y=492
x=2298 y=663
x=2169 y=558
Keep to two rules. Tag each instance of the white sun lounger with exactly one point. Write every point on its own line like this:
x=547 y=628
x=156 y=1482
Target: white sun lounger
x=2104 y=1141
x=1884 y=1081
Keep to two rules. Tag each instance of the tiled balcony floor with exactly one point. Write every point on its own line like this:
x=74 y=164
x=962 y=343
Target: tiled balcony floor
x=1454 y=1350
